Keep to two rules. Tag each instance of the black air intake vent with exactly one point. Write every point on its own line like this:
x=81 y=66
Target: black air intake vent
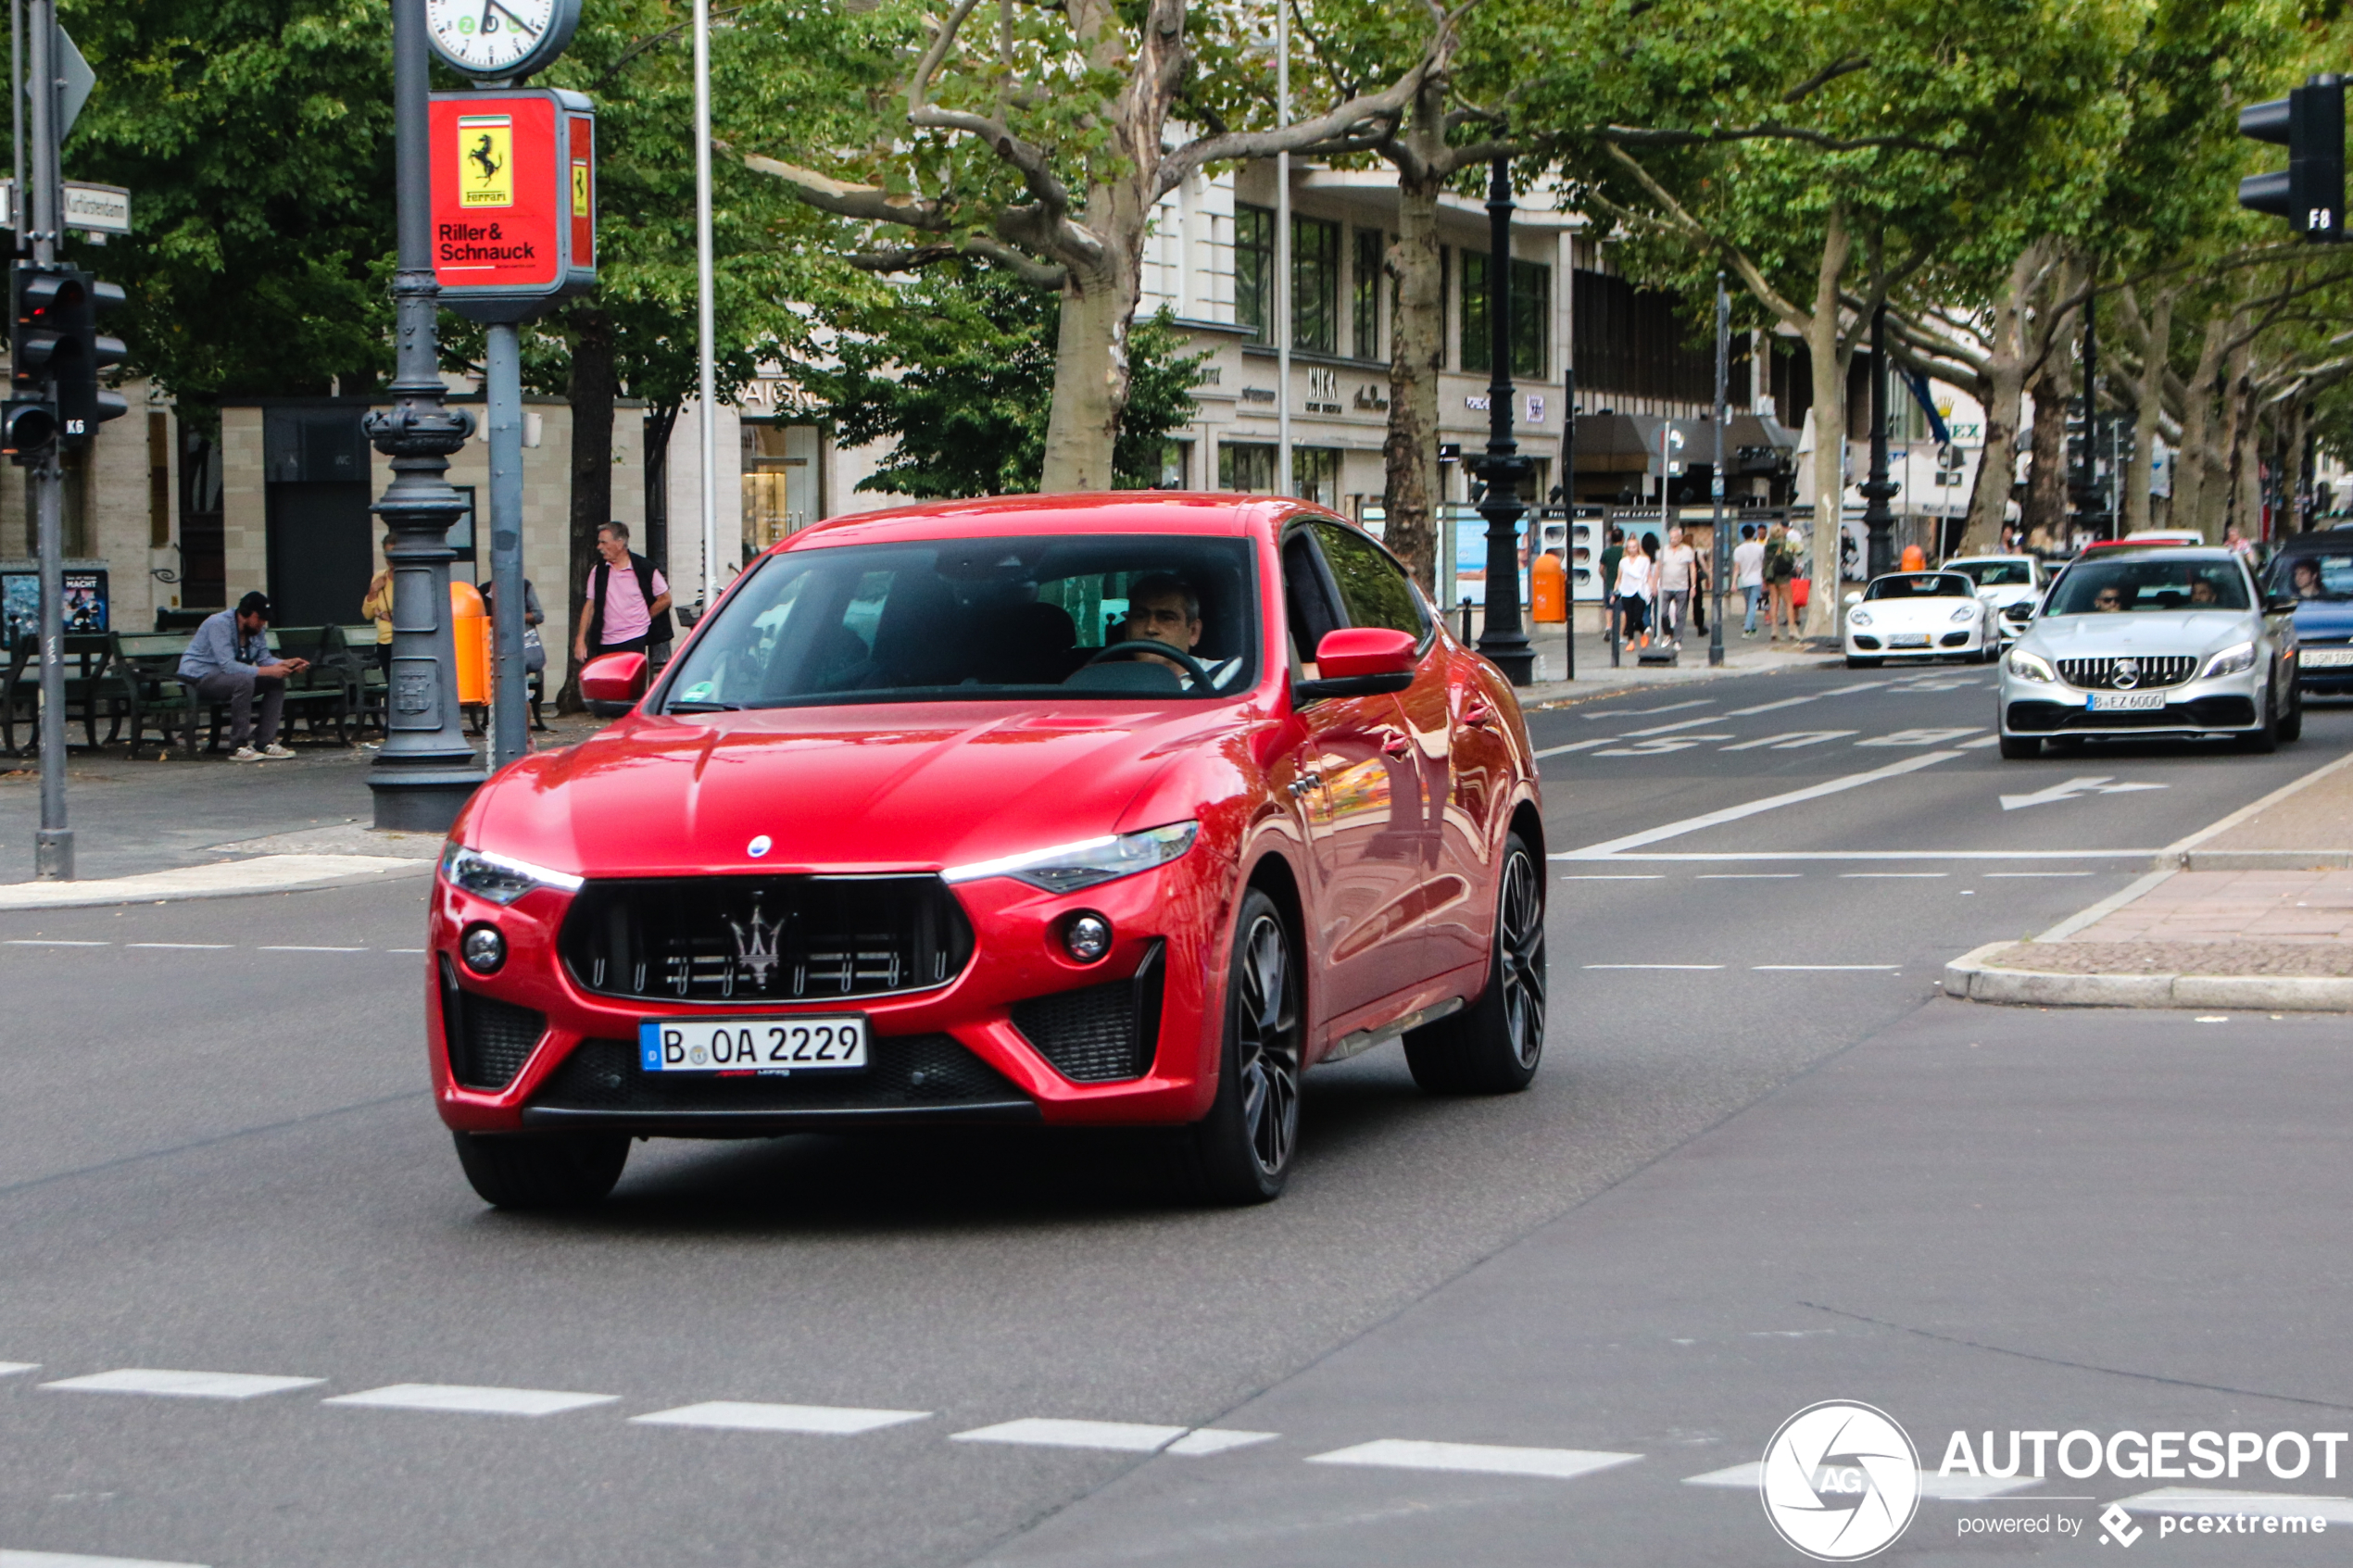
x=1103 y=1033
x=488 y=1040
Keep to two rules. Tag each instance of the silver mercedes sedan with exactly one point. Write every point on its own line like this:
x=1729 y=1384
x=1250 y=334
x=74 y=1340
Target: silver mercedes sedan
x=2157 y=640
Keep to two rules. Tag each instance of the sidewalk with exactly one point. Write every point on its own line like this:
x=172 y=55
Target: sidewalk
x=2256 y=911
x=1595 y=677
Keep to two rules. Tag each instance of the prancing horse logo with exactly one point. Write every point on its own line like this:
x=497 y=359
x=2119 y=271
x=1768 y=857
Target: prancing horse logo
x=481 y=154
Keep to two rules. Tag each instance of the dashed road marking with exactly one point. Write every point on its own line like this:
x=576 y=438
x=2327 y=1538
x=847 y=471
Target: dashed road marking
x=1119 y=1437
x=463 y=1400
x=186 y=947
x=1651 y=712
x=1574 y=745
x=50 y=942
x=1944 y=1488
x=1205 y=1440
x=10 y=1369
x=1669 y=729
x=76 y=1560
x=1484 y=1459
x=1890 y=876
x=298 y=948
x=1653 y=966
x=1825 y=968
x=1749 y=876
x=735 y=1415
x=2279 y=1505
x=182 y=1384
x=1619 y=876
x=1773 y=707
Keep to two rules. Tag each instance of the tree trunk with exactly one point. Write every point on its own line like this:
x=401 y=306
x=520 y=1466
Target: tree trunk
x=1090 y=381
x=2193 y=466
x=1822 y=345
x=2292 y=475
x=2047 y=468
x=2001 y=390
x=2145 y=418
x=591 y=395
x=1418 y=345
x=2226 y=507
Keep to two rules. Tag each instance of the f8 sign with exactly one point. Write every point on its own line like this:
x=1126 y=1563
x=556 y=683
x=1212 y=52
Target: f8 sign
x=514 y=190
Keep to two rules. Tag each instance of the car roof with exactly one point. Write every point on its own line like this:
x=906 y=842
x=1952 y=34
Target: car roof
x=2317 y=543
x=1945 y=570
x=2158 y=548
x=1971 y=560
x=1221 y=513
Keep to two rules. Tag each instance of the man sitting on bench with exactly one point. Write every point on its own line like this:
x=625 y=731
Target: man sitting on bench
x=228 y=661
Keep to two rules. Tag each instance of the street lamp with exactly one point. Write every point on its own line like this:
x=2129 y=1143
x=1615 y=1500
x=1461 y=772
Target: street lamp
x=1879 y=522
x=1502 y=640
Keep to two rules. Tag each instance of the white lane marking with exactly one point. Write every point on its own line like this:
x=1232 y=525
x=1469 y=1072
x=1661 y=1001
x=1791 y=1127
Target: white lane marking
x=76 y=1560
x=1119 y=1437
x=2106 y=907
x=2075 y=789
x=10 y=1369
x=1658 y=746
x=1947 y=1489
x=1749 y=876
x=1921 y=737
x=1648 y=712
x=192 y=947
x=182 y=1384
x=1980 y=742
x=1825 y=968
x=1889 y=876
x=1705 y=855
x=1750 y=809
x=1668 y=729
x=2277 y=1505
x=1857 y=686
x=1793 y=739
x=1483 y=1459
x=1619 y=876
x=2036 y=873
x=462 y=1400
x=1203 y=1440
x=1770 y=707
x=1575 y=746
x=299 y=949
x=737 y=1415
x=1653 y=966
x=50 y=942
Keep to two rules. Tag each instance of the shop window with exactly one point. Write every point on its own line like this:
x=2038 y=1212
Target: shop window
x=1364 y=296
x=1254 y=271
x=1247 y=466
x=1176 y=464
x=1315 y=475
x=779 y=481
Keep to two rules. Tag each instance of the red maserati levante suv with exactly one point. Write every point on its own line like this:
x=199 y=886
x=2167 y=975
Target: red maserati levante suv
x=1103 y=809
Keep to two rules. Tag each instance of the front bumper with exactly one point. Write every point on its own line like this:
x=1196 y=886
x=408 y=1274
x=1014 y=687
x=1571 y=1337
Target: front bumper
x=1950 y=643
x=2224 y=705
x=2325 y=680
x=528 y=1049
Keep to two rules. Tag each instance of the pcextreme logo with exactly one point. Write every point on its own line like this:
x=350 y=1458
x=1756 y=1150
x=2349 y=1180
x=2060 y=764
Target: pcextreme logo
x=1841 y=1481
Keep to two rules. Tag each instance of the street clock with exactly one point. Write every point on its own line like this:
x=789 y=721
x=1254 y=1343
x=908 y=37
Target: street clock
x=500 y=40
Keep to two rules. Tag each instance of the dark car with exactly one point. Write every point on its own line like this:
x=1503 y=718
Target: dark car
x=2316 y=570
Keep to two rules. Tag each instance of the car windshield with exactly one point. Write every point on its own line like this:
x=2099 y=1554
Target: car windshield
x=2092 y=587
x=978 y=619
x=1995 y=573
x=1919 y=585
x=2314 y=576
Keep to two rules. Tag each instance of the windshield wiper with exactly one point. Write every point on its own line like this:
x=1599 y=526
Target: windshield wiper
x=702 y=708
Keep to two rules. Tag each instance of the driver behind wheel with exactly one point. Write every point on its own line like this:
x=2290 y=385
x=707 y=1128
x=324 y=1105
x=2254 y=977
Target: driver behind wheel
x=1163 y=607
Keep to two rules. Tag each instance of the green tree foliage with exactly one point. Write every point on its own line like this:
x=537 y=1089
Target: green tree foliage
x=958 y=371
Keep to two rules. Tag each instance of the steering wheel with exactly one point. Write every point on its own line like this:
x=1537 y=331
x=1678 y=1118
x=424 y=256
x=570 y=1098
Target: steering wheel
x=1192 y=665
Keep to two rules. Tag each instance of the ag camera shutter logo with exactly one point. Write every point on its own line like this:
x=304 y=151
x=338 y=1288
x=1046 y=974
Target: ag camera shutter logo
x=1841 y=1481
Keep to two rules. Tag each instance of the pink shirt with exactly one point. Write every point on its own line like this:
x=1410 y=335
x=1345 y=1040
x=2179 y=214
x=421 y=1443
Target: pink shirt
x=626 y=613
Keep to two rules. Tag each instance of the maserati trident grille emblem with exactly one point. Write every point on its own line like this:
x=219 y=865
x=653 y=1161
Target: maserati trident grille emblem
x=756 y=946
x=2127 y=674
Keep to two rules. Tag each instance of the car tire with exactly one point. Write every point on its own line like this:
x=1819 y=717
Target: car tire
x=2262 y=742
x=561 y=1171
x=2292 y=726
x=2021 y=748
x=1856 y=661
x=1493 y=1046
x=1241 y=1151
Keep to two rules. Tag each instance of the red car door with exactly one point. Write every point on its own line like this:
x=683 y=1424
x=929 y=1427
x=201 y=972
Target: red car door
x=1346 y=776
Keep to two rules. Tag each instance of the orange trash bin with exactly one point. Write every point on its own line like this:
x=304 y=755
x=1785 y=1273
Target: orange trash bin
x=1548 y=590
x=1915 y=559
x=470 y=627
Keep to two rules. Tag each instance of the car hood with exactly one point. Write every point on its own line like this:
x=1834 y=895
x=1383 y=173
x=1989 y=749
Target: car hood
x=2324 y=619
x=2140 y=632
x=1915 y=612
x=917 y=787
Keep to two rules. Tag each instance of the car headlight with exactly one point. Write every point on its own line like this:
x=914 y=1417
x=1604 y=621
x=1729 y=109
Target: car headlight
x=2231 y=660
x=1966 y=612
x=1858 y=618
x=2029 y=666
x=499 y=878
x=1069 y=867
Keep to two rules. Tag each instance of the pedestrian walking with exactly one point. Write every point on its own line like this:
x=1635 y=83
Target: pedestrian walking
x=229 y=660
x=628 y=604
x=1613 y=552
x=1678 y=575
x=1748 y=576
x=1780 y=569
x=1634 y=587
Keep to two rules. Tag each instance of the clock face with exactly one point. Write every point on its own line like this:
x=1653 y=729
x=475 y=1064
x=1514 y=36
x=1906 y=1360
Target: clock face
x=500 y=38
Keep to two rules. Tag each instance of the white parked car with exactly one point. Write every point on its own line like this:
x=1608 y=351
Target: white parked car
x=1921 y=615
x=2004 y=581
x=2138 y=641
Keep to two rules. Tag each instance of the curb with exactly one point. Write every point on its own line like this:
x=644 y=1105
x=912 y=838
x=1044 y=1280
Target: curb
x=2258 y=859
x=227 y=879
x=1971 y=978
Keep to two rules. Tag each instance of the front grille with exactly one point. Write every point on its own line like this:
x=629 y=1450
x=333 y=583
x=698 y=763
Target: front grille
x=765 y=938
x=2109 y=674
x=488 y=1040
x=903 y=1072
x=1863 y=641
x=1100 y=1035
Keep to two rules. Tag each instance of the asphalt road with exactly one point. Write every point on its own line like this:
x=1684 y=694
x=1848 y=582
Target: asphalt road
x=1763 y=1166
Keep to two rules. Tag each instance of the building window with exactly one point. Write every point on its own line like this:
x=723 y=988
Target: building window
x=1254 y=271
x=159 y=481
x=779 y=481
x=1176 y=464
x=1364 y=296
x=1648 y=342
x=1314 y=474
x=1314 y=285
x=1532 y=316
x=1247 y=466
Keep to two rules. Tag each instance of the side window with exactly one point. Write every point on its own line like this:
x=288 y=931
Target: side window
x=1307 y=604
x=1372 y=589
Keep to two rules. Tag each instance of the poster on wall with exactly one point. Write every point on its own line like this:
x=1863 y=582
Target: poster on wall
x=85 y=603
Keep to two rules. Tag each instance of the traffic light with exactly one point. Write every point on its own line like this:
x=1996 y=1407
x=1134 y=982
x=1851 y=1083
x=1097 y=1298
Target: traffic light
x=82 y=404
x=36 y=332
x=2310 y=122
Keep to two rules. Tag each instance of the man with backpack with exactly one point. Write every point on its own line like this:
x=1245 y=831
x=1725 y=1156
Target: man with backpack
x=627 y=609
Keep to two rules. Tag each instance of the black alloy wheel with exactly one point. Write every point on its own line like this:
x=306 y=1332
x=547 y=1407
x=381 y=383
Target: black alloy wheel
x=1241 y=1150
x=1494 y=1045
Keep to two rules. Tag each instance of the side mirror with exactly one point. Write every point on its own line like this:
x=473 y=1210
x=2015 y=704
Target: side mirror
x=610 y=686
x=1854 y=597
x=1359 y=661
x=2280 y=604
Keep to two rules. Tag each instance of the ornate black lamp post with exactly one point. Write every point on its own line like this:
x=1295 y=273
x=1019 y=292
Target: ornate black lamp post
x=427 y=767
x=1503 y=640
x=1879 y=522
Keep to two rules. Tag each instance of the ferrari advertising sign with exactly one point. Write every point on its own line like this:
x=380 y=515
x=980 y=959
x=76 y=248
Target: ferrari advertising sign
x=514 y=200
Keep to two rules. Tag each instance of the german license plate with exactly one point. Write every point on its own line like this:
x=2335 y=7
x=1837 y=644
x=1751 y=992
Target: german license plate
x=2326 y=659
x=2124 y=702
x=1908 y=640
x=751 y=1044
